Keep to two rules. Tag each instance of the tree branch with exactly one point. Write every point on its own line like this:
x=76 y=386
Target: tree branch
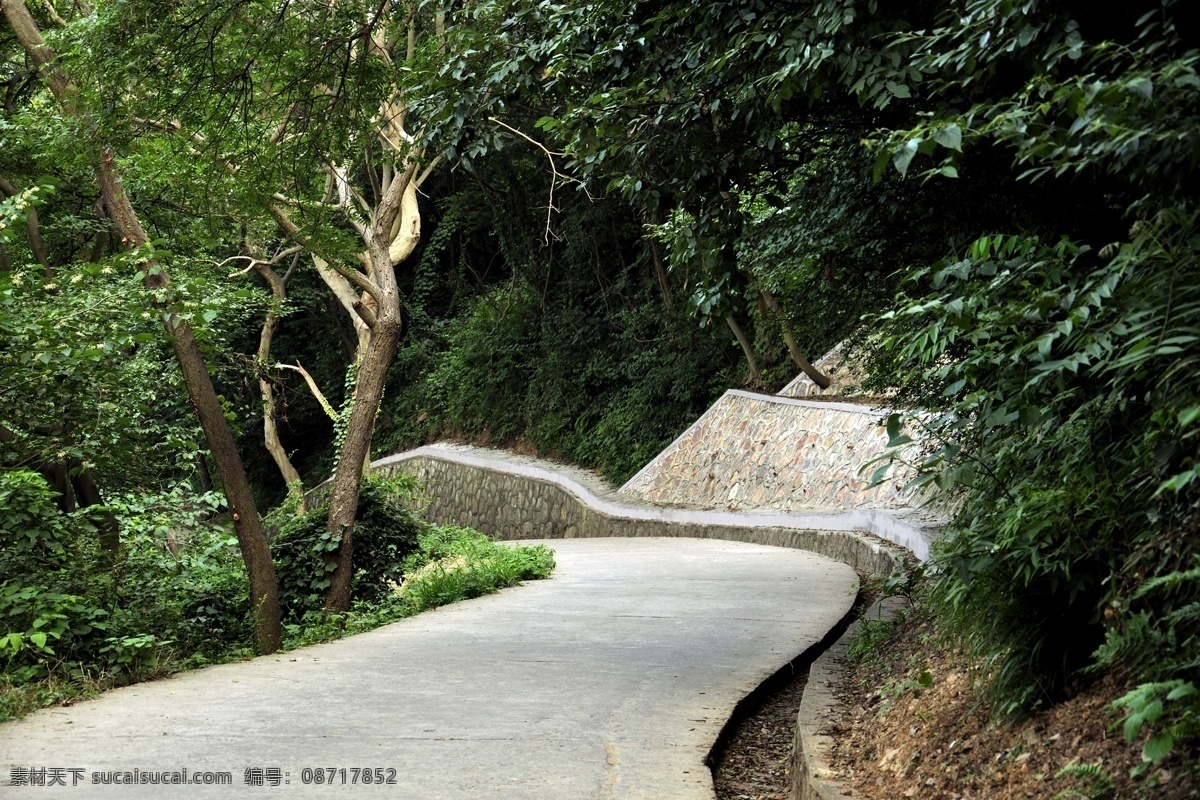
x=48 y=5
x=345 y=294
x=43 y=55
x=293 y=231
x=425 y=173
x=257 y=262
x=555 y=175
x=819 y=378
x=312 y=385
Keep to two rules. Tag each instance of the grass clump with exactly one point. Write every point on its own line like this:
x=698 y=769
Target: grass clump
x=453 y=563
x=449 y=563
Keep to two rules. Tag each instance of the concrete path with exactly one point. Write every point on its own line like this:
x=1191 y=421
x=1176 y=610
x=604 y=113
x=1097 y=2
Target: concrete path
x=610 y=680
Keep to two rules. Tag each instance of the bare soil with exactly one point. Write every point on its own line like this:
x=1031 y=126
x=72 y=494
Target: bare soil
x=899 y=738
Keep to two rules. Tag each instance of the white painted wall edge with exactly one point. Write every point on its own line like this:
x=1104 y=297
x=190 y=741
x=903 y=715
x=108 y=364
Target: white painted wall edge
x=836 y=405
x=880 y=523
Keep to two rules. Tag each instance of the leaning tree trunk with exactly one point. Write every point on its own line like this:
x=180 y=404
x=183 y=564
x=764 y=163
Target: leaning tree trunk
x=264 y=593
x=818 y=377
x=398 y=205
x=755 y=375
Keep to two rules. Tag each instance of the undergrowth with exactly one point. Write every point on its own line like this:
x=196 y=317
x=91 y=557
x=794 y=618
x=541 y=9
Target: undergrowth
x=75 y=621
x=448 y=564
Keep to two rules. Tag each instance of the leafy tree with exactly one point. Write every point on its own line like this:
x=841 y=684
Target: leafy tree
x=1060 y=353
x=187 y=351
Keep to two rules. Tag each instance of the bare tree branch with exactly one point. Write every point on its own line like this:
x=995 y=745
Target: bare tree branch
x=48 y=5
x=429 y=168
x=258 y=262
x=312 y=385
x=555 y=175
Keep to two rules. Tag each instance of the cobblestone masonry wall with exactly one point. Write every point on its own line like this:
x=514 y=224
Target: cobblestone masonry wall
x=515 y=497
x=767 y=452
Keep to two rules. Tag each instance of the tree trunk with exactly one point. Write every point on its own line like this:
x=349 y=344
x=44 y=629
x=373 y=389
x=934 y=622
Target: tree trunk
x=205 y=477
x=755 y=375
x=819 y=378
x=270 y=430
x=31 y=225
x=257 y=557
x=110 y=530
x=398 y=203
x=660 y=271
x=264 y=591
x=61 y=483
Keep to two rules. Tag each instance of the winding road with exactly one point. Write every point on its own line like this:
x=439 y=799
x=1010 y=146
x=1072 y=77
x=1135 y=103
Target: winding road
x=612 y=679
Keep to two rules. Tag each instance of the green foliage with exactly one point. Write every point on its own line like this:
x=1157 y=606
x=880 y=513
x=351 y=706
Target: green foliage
x=14 y=211
x=449 y=564
x=907 y=581
x=70 y=611
x=454 y=563
x=1094 y=781
x=1159 y=634
x=570 y=351
x=1043 y=356
x=869 y=633
x=45 y=616
x=1149 y=705
x=608 y=392
x=826 y=152
x=1054 y=358
x=385 y=532
x=73 y=620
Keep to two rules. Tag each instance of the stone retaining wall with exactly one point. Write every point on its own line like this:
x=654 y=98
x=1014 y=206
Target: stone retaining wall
x=516 y=498
x=767 y=452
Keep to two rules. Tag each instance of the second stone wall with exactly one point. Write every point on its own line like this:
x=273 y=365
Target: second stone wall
x=765 y=452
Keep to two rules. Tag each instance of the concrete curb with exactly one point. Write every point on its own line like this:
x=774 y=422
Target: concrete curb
x=802 y=663
x=812 y=777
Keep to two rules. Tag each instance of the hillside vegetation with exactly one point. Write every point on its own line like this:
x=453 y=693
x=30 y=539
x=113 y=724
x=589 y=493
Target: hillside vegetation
x=244 y=245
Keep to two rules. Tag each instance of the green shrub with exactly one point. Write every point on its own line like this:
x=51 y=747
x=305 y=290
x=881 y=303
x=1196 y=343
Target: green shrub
x=1064 y=408
x=385 y=531
x=177 y=585
x=48 y=616
x=453 y=563
x=179 y=578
